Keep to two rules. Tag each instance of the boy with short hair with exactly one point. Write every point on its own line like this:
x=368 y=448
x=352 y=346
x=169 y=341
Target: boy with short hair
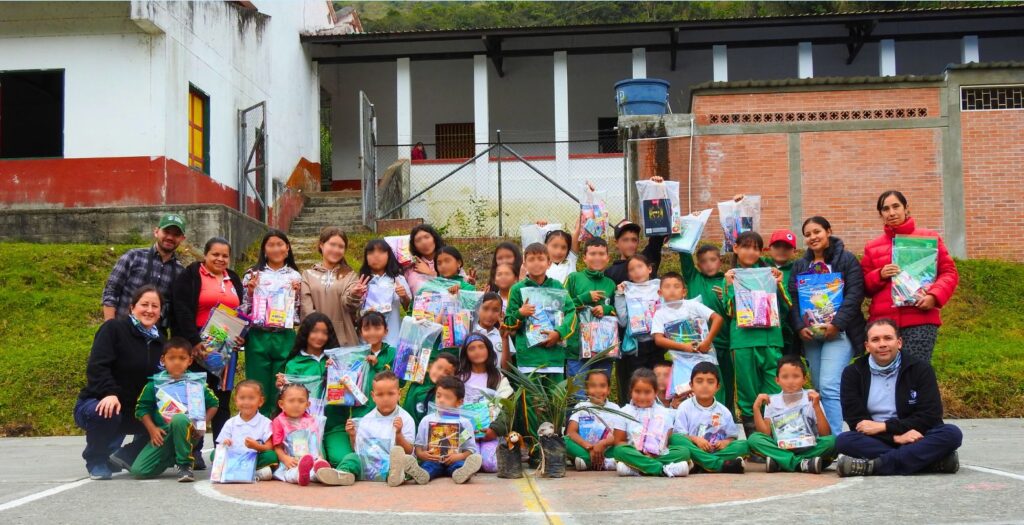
x=781 y=247
x=591 y=291
x=756 y=351
x=706 y=427
x=707 y=281
x=170 y=442
x=419 y=395
x=791 y=376
x=385 y=395
x=446 y=445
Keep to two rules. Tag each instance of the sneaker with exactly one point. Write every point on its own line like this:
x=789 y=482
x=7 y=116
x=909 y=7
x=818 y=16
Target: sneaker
x=469 y=467
x=733 y=466
x=336 y=478
x=415 y=471
x=947 y=465
x=265 y=474
x=609 y=464
x=185 y=474
x=199 y=463
x=305 y=466
x=811 y=466
x=677 y=470
x=581 y=466
x=770 y=465
x=848 y=466
x=625 y=470
x=119 y=463
x=396 y=467
x=100 y=472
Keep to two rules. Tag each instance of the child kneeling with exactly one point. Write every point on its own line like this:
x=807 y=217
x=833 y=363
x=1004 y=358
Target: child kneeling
x=815 y=446
x=705 y=427
x=445 y=444
x=642 y=443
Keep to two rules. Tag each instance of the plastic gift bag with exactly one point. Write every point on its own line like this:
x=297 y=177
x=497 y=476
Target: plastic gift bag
x=598 y=335
x=917 y=258
x=531 y=233
x=757 y=303
x=687 y=231
x=739 y=217
x=659 y=202
x=433 y=301
x=218 y=336
x=593 y=214
x=819 y=296
x=233 y=465
x=273 y=301
x=682 y=368
x=375 y=435
x=642 y=302
x=791 y=428
x=185 y=395
x=592 y=427
x=548 y=316
x=305 y=439
x=447 y=434
x=380 y=296
x=416 y=340
x=478 y=408
x=400 y=247
x=347 y=384
x=649 y=433
x=315 y=386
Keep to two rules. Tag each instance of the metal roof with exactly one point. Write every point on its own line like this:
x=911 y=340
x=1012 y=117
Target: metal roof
x=817 y=81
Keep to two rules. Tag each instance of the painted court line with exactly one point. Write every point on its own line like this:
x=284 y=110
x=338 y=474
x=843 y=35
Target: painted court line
x=43 y=494
x=997 y=472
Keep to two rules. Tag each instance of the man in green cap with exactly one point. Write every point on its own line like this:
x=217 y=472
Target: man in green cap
x=157 y=265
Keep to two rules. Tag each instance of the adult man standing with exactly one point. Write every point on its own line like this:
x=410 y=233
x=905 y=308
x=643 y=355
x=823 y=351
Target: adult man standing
x=157 y=265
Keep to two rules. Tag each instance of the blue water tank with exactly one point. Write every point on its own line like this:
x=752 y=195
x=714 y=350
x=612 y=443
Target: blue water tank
x=642 y=96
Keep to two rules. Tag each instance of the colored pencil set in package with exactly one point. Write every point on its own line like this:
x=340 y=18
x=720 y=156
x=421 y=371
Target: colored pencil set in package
x=435 y=303
x=415 y=342
x=756 y=296
x=917 y=258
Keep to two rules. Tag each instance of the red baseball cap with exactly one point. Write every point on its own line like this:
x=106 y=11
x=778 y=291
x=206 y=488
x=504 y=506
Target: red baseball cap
x=785 y=236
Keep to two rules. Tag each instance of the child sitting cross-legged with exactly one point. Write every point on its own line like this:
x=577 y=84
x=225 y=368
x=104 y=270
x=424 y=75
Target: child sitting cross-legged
x=445 y=444
x=815 y=446
x=706 y=427
x=590 y=434
x=385 y=397
x=249 y=429
x=643 y=439
x=296 y=437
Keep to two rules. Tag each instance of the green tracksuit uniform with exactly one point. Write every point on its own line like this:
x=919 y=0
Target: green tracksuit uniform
x=179 y=439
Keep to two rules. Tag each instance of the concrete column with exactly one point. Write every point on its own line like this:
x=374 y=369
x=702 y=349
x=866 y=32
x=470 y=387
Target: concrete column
x=887 y=57
x=561 y=63
x=639 y=62
x=481 y=123
x=805 y=68
x=403 y=107
x=721 y=63
x=969 y=50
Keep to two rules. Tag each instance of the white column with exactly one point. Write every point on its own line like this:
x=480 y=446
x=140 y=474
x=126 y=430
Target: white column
x=805 y=69
x=887 y=57
x=403 y=106
x=561 y=61
x=481 y=123
x=639 y=62
x=720 y=60
x=969 y=50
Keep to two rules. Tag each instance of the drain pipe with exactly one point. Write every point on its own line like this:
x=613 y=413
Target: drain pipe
x=689 y=170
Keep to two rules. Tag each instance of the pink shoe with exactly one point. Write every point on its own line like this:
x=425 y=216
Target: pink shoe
x=305 y=465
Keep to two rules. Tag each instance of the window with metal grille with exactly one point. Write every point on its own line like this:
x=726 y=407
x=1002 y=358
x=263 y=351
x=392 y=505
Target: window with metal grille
x=985 y=98
x=198 y=130
x=455 y=141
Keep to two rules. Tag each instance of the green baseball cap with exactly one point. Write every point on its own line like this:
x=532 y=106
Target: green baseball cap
x=173 y=219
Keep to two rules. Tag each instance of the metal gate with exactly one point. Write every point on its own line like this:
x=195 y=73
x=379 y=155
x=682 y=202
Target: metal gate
x=368 y=160
x=252 y=159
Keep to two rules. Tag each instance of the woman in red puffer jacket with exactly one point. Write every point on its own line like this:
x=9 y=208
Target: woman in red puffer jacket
x=919 y=324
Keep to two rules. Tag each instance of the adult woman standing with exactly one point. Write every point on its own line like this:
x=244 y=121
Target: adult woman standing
x=424 y=244
x=891 y=402
x=829 y=353
x=919 y=324
x=125 y=353
x=332 y=288
x=194 y=294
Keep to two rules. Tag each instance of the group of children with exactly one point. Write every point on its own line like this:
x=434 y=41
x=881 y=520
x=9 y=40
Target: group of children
x=668 y=422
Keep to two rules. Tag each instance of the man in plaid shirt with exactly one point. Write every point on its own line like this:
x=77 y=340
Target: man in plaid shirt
x=156 y=265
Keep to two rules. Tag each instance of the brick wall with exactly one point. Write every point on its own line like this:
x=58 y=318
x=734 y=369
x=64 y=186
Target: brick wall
x=927 y=98
x=993 y=166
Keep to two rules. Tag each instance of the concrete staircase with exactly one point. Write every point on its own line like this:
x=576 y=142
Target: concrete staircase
x=327 y=208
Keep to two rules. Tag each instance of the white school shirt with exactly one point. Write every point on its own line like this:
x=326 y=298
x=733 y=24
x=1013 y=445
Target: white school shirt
x=237 y=429
x=494 y=335
x=560 y=271
x=408 y=424
x=676 y=310
x=595 y=422
x=713 y=423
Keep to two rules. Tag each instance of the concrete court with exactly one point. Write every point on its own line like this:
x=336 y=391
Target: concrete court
x=44 y=481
